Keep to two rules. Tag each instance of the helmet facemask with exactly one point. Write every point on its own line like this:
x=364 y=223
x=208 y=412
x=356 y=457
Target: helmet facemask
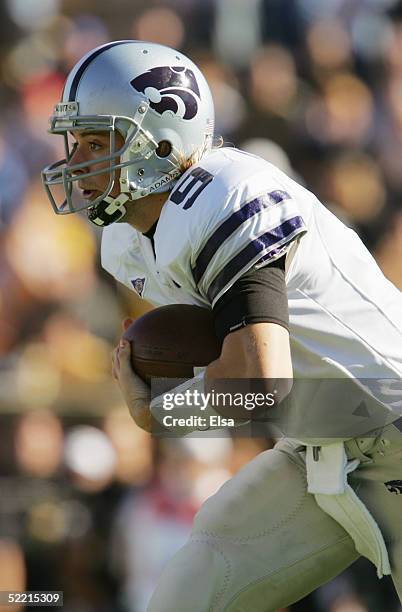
x=138 y=147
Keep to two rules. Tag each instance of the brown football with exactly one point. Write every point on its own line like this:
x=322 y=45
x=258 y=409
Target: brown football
x=169 y=341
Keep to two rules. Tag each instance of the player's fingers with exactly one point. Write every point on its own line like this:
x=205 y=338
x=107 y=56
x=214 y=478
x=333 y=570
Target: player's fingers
x=115 y=363
x=128 y=378
x=115 y=356
x=124 y=354
x=126 y=323
x=115 y=372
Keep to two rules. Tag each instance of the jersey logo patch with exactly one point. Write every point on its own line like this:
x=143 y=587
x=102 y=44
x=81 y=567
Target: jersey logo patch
x=170 y=88
x=394 y=486
x=139 y=284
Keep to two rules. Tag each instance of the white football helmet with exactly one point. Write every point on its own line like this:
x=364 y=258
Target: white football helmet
x=150 y=94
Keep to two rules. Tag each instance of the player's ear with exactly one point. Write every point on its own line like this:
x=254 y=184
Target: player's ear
x=126 y=323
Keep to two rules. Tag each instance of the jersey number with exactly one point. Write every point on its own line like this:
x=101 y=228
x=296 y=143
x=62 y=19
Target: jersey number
x=194 y=183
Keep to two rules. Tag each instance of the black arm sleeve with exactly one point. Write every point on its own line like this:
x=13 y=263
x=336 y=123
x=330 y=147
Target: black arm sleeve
x=259 y=296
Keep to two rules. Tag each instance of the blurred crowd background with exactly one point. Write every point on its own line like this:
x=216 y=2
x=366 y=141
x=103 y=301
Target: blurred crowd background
x=89 y=504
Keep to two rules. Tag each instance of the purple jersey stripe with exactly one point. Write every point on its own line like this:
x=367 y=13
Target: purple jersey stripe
x=248 y=255
x=230 y=225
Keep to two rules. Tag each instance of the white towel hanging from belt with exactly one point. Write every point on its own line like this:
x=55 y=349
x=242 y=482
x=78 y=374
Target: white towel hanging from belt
x=327 y=470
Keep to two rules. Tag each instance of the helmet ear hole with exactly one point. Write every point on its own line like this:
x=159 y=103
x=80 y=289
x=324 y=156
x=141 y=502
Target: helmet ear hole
x=164 y=149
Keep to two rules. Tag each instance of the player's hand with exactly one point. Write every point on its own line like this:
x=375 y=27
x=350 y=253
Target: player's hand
x=135 y=391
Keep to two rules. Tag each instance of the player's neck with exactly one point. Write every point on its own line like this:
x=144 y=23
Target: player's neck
x=143 y=214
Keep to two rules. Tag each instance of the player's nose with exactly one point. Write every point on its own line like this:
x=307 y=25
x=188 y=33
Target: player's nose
x=77 y=157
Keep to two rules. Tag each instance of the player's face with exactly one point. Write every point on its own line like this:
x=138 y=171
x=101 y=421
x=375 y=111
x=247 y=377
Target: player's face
x=91 y=146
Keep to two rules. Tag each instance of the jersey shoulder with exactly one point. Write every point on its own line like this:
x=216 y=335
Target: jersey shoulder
x=228 y=213
x=117 y=240
x=224 y=172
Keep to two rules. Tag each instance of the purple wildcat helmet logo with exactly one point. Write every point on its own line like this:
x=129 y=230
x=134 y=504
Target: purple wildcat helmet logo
x=170 y=89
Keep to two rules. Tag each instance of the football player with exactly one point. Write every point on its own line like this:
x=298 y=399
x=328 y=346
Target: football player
x=294 y=293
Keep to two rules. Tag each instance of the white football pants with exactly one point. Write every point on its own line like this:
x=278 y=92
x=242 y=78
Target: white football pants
x=262 y=542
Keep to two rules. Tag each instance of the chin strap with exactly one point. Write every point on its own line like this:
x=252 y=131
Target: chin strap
x=109 y=210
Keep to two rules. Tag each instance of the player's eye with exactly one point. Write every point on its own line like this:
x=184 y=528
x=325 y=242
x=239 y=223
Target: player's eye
x=94 y=146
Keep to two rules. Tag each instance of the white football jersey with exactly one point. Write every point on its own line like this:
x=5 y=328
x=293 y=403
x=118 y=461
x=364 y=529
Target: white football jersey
x=234 y=211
